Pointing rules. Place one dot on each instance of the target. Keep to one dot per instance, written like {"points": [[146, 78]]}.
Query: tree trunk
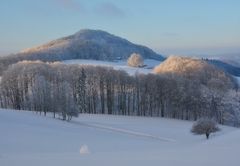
{"points": [[207, 135]]}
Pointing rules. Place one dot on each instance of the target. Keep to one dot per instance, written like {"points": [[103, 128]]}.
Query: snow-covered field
{"points": [[118, 65], [28, 139]]}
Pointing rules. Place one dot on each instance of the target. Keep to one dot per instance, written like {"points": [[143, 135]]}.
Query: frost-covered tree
{"points": [[81, 91], [231, 108], [66, 90], [205, 126], [68, 106], [40, 97], [135, 60]]}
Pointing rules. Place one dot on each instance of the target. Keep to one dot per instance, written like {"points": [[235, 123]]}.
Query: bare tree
{"points": [[135, 60], [205, 126]]}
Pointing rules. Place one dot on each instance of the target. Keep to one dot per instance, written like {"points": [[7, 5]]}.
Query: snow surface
{"points": [[238, 79], [28, 139], [118, 65]]}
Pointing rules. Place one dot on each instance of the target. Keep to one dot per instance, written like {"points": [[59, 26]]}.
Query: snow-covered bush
{"points": [[205, 126], [135, 60]]}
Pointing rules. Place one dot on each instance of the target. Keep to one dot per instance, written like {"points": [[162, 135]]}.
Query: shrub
{"points": [[205, 126], [135, 60]]}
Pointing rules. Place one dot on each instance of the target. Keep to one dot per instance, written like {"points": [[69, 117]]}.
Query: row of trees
{"points": [[67, 90]]}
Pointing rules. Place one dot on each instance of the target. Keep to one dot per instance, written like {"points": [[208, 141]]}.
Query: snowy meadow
{"points": [[29, 139], [87, 112]]}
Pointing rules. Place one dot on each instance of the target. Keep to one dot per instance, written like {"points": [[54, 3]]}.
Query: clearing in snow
{"points": [[118, 65]]}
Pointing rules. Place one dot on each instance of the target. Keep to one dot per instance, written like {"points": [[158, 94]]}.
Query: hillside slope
{"points": [[85, 44], [93, 44], [30, 139], [197, 71], [231, 69]]}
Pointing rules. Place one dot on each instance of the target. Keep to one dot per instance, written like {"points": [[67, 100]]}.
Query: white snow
{"points": [[118, 65], [84, 150], [29, 139], [238, 79]]}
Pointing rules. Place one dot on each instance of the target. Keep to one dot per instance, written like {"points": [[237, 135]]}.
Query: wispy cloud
{"points": [[109, 9], [103, 9], [72, 5]]}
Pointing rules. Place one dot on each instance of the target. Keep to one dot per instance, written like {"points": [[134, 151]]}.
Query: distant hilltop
{"points": [[92, 44], [85, 44]]}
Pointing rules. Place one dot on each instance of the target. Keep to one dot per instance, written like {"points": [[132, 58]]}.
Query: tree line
{"points": [[67, 90]]}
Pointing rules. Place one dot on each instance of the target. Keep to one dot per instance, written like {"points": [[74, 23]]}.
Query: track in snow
{"points": [[125, 131]]}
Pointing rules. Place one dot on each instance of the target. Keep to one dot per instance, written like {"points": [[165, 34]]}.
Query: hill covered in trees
{"points": [[85, 44], [199, 71], [226, 66]]}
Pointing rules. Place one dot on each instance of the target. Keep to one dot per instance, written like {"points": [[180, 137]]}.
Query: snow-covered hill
{"points": [[118, 65], [85, 44], [230, 58], [197, 70], [28, 139], [91, 44]]}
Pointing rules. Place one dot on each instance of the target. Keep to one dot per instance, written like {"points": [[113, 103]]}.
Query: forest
{"points": [[67, 90]]}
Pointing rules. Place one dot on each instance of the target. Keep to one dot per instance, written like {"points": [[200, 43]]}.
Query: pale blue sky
{"points": [[167, 26]]}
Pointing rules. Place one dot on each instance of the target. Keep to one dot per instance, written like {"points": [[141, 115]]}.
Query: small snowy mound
{"points": [[84, 150]]}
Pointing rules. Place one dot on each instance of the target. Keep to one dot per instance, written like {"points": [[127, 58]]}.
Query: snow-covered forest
{"points": [[67, 90]]}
